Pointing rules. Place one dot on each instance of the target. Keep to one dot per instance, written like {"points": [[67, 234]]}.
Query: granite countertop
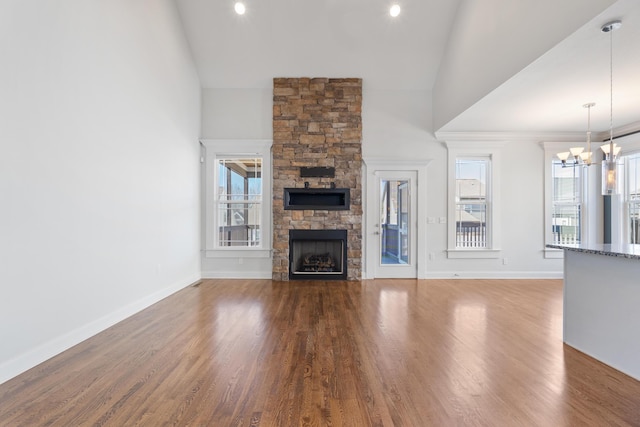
{"points": [[622, 251]]}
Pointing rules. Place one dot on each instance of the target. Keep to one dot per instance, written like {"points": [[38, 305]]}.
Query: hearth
{"points": [[317, 254]]}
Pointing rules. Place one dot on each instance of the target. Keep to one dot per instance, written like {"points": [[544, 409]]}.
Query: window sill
{"points": [[473, 253], [238, 253]]}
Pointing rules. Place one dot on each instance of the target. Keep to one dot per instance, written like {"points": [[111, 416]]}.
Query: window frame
{"points": [[579, 200], [632, 150], [490, 150], [627, 202], [214, 151], [486, 204], [586, 186], [228, 199]]}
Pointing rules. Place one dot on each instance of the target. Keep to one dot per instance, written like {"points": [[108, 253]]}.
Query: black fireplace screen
{"points": [[317, 254]]}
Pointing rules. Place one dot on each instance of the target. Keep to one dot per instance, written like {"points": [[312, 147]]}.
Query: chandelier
{"points": [[577, 156]]}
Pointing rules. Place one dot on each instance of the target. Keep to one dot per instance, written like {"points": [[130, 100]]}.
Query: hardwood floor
{"points": [[371, 353]]}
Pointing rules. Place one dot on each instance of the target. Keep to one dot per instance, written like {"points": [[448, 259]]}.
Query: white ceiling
{"points": [[358, 38], [317, 38], [320, 38], [548, 95]]}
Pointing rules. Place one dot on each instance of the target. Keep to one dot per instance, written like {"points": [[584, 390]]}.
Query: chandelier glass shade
{"points": [[610, 168]]}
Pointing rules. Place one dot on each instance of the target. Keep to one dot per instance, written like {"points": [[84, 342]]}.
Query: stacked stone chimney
{"points": [[317, 122]]}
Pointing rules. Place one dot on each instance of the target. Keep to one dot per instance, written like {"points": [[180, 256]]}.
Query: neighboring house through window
{"points": [[566, 199], [474, 202]]}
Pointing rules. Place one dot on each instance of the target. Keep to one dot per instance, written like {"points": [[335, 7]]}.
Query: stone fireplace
{"points": [[317, 126]]}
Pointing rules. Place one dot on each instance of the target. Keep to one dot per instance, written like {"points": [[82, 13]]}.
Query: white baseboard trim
{"points": [[34, 357], [237, 274], [487, 275], [495, 274]]}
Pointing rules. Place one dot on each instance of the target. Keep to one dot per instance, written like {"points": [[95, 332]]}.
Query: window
{"points": [[471, 202], [566, 203], [566, 206], [394, 221], [625, 206], [474, 203], [632, 198], [238, 198]]}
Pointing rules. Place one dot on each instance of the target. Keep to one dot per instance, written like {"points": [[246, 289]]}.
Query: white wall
{"points": [[236, 114], [397, 125], [99, 169], [521, 225], [492, 40]]}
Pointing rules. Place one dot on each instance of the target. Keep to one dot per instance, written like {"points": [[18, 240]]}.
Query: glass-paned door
{"points": [[395, 227], [394, 221]]}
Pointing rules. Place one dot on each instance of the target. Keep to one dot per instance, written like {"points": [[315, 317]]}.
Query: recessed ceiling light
{"points": [[239, 8], [395, 10]]}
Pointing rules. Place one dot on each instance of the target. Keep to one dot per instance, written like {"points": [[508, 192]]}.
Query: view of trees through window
{"points": [[239, 201]]}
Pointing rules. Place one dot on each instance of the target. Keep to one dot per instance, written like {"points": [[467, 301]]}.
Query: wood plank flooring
{"points": [[371, 353]]}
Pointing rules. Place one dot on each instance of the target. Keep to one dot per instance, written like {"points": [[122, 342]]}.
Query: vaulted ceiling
{"points": [[325, 38], [548, 95], [358, 38]]}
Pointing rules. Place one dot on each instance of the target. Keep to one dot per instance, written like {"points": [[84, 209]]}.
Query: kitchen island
{"points": [[601, 315]]}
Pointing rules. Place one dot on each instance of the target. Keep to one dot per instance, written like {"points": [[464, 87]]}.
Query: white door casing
{"points": [[377, 170]]}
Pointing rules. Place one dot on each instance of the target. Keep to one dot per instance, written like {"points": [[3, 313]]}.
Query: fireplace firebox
{"points": [[317, 254]]}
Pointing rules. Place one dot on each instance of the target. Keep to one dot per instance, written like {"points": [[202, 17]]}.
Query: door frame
{"points": [[373, 167], [408, 270]]}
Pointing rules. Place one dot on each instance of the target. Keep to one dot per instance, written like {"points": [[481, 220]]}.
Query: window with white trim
{"points": [[567, 203], [625, 206], [474, 203], [566, 207], [239, 200], [237, 197]]}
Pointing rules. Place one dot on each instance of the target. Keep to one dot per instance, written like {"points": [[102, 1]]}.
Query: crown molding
{"points": [[618, 132], [535, 136], [509, 136]]}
